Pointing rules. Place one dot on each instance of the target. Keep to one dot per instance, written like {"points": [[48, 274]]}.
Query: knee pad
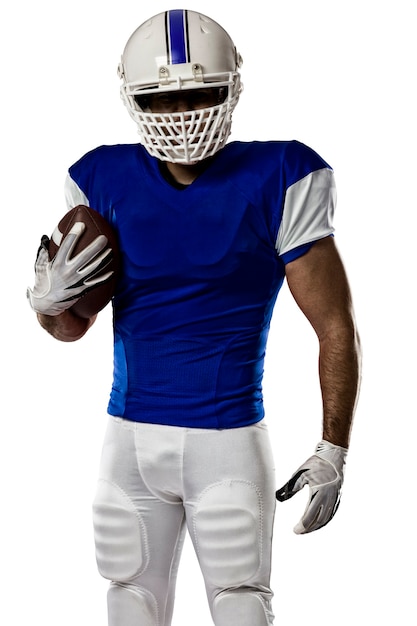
{"points": [[244, 607], [119, 533], [227, 529]]}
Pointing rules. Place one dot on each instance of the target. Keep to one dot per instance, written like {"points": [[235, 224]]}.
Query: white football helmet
{"points": [[173, 51]]}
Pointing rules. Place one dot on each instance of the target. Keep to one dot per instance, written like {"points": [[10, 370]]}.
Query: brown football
{"points": [[98, 297]]}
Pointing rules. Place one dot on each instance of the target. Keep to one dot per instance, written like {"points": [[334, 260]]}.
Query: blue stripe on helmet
{"points": [[177, 37]]}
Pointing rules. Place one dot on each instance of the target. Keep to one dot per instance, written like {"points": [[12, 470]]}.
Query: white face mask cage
{"points": [[184, 137]]}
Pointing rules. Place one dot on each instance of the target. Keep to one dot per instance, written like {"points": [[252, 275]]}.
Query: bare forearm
{"points": [[66, 326], [339, 366]]}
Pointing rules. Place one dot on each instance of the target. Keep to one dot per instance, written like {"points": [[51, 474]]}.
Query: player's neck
{"points": [[181, 174]]}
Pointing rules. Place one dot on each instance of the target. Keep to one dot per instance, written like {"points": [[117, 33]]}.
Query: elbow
{"points": [[342, 332]]}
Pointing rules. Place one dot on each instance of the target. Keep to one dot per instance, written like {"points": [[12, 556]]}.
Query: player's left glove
{"points": [[61, 282], [323, 473]]}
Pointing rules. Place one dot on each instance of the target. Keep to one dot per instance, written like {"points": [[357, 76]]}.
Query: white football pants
{"points": [[157, 480]]}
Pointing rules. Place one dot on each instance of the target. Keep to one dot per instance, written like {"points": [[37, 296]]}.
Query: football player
{"points": [[208, 229]]}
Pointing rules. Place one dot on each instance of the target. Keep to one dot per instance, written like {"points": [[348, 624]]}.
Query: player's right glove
{"points": [[323, 473], [61, 282]]}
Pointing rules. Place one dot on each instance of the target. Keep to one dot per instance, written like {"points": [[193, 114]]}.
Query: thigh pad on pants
{"points": [[227, 527], [120, 534]]}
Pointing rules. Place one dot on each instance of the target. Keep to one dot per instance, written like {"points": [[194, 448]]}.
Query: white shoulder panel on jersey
{"points": [[73, 194], [308, 211]]}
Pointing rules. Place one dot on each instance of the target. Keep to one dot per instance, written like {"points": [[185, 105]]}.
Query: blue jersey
{"points": [[202, 267]]}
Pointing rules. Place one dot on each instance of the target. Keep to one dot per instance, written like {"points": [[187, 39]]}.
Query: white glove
{"points": [[323, 473], [61, 282]]}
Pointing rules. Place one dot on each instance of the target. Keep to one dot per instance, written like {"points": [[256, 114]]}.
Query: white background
{"points": [[337, 76]]}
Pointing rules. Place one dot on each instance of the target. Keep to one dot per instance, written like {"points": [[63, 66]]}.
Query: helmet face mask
{"points": [[181, 57]]}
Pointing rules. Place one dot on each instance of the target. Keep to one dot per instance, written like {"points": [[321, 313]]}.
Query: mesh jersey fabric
{"points": [[202, 268]]}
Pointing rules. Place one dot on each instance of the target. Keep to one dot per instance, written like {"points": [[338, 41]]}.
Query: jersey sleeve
{"points": [[73, 194], [308, 212]]}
